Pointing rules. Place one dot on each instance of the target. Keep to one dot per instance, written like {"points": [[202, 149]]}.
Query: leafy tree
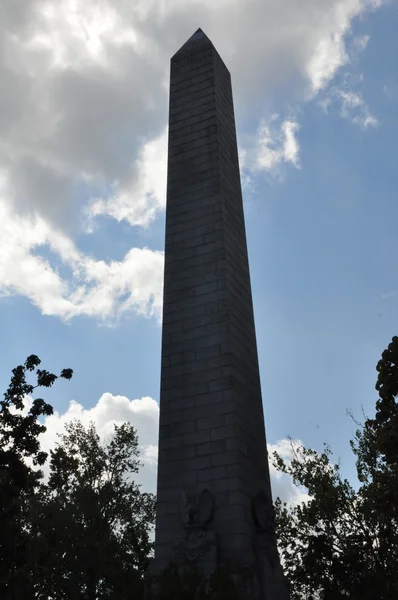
{"points": [[343, 543], [19, 431], [380, 440], [94, 521]]}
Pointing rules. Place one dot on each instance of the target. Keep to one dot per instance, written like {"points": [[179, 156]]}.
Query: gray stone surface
{"points": [[211, 433]]}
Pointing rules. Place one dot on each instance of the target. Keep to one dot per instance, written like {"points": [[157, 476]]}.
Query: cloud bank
{"points": [[83, 123]]}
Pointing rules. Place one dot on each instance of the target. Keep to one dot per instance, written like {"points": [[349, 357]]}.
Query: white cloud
{"points": [[391, 90], [360, 43], [280, 147], [347, 100], [274, 144], [329, 56], [388, 295], [84, 111], [355, 109], [282, 485], [142, 413], [104, 290], [140, 199], [332, 52]]}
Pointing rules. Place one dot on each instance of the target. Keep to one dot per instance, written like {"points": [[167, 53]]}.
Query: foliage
{"points": [[343, 543], [19, 431], [94, 521], [380, 469], [84, 533]]}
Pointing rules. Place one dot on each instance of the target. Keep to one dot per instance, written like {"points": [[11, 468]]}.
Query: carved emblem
{"points": [[196, 512], [263, 512], [270, 571], [198, 544]]}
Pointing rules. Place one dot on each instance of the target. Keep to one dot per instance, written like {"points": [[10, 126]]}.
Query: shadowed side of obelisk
{"points": [[212, 470]]}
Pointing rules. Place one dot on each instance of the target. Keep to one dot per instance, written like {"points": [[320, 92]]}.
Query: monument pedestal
{"points": [[259, 578], [248, 584]]}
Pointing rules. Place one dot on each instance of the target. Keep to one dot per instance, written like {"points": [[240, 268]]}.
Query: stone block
{"points": [[234, 483], [170, 494], [177, 479], [181, 452], [197, 437], [210, 448], [182, 427], [219, 486], [225, 458], [234, 512], [232, 528], [165, 508], [206, 308], [209, 352], [205, 288], [171, 467], [224, 383], [211, 473], [223, 433], [210, 422], [204, 320], [184, 357], [211, 340], [174, 416], [212, 329], [163, 535], [237, 545], [205, 407], [235, 470], [239, 497]]}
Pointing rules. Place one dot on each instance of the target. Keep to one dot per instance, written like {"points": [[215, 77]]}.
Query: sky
{"points": [[83, 151]]}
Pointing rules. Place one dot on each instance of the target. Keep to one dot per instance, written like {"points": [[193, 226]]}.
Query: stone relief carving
{"points": [[264, 515], [199, 544], [196, 511], [272, 579]]}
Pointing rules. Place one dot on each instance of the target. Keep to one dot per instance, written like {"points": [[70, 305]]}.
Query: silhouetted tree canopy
{"points": [[19, 431], [94, 521], [84, 531], [343, 543]]}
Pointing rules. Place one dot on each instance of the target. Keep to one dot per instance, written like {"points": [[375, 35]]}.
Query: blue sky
{"points": [[320, 205]]}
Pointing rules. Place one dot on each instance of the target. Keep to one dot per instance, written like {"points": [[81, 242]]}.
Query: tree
{"points": [[19, 432], [94, 521], [382, 432], [343, 543]]}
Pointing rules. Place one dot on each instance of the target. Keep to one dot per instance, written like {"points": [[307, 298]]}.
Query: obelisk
{"points": [[214, 504]]}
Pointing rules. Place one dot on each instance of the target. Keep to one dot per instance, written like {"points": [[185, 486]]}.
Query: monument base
{"points": [[233, 581], [198, 569]]}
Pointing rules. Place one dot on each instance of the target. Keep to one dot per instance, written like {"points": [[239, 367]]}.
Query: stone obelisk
{"points": [[214, 503]]}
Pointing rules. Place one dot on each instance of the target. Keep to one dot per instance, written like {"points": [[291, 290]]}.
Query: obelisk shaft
{"points": [[212, 433]]}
